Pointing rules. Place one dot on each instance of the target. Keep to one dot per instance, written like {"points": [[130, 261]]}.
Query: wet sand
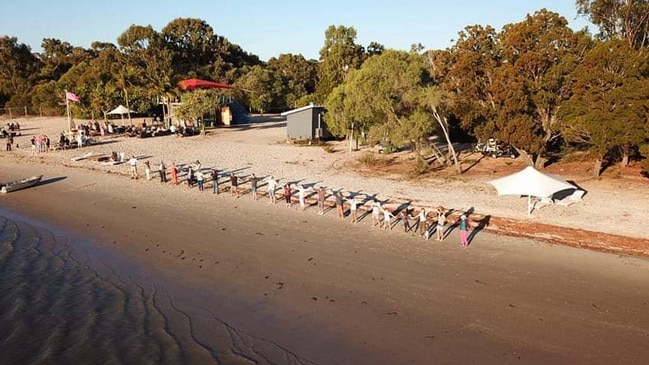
{"points": [[336, 293]]}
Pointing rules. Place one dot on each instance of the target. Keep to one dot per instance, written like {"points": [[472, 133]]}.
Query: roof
{"points": [[310, 106]]}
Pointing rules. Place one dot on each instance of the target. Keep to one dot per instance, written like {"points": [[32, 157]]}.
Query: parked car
{"points": [[495, 149]]}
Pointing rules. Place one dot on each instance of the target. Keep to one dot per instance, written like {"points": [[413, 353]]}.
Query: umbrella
{"points": [[192, 84], [531, 182]]}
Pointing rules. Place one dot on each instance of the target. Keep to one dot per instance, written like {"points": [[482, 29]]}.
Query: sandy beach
{"points": [[336, 293]]}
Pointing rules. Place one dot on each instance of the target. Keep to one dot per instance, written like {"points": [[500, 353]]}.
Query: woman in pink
{"points": [[464, 231]]}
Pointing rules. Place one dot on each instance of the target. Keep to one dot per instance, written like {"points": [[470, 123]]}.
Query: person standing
{"points": [[339, 204], [200, 180], [321, 200], [272, 185], [133, 163], [215, 181], [376, 213], [10, 141], [422, 222], [353, 209], [405, 218], [234, 185], [441, 221], [162, 170], [253, 186], [287, 195], [301, 195], [174, 173], [464, 231], [147, 169], [190, 176], [387, 219]]}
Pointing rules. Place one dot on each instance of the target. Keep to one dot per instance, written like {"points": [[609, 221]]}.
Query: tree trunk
{"points": [[439, 155], [540, 162], [128, 107], [526, 156], [442, 123], [597, 169]]}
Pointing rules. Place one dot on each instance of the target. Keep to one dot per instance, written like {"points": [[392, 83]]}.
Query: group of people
{"points": [[9, 131], [40, 143], [381, 216]]}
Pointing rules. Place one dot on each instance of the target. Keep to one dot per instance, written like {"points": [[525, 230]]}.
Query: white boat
{"points": [[83, 157], [20, 184]]}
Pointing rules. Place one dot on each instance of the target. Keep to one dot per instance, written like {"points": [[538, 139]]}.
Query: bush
{"points": [[421, 166], [328, 148], [368, 159]]}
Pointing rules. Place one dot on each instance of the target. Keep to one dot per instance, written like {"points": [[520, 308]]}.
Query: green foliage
{"points": [[328, 148], [339, 55], [262, 88], [510, 85], [628, 20], [608, 107], [368, 159], [297, 76], [18, 71], [198, 103]]}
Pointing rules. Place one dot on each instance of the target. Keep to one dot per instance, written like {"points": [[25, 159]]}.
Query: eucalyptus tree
{"points": [[467, 72], [18, 71], [298, 75], [339, 55], [608, 107], [197, 103], [263, 88], [102, 92], [143, 49], [58, 57], [619, 19], [191, 42], [391, 95], [537, 55]]}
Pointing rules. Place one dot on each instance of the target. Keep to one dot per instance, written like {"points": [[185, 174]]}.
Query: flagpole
{"points": [[67, 107]]}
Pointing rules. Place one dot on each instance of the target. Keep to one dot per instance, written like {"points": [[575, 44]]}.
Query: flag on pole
{"points": [[71, 96]]}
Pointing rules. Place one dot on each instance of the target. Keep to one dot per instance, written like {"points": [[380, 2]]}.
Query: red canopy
{"points": [[192, 84]]}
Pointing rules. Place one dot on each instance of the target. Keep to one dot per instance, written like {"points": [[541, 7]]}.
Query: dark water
{"points": [[65, 301]]}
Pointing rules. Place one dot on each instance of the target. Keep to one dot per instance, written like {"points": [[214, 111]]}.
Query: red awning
{"points": [[192, 84]]}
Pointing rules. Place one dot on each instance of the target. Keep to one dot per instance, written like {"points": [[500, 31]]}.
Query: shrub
{"points": [[368, 159]]}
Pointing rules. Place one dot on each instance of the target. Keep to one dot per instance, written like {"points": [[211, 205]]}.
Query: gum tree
{"points": [[608, 108]]}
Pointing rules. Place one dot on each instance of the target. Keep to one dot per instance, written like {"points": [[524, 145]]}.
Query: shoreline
{"points": [[332, 292]]}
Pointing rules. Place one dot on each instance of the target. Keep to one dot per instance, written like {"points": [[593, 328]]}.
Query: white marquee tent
{"points": [[531, 182]]}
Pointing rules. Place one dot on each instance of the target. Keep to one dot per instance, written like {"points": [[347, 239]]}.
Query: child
{"points": [[387, 219], [464, 231], [287, 195], [441, 221]]}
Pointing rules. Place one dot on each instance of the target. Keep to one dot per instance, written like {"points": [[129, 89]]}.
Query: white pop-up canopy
{"points": [[121, 110], [531, 182]]}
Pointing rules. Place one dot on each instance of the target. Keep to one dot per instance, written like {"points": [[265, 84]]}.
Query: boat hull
{"points": [[20, 184]]}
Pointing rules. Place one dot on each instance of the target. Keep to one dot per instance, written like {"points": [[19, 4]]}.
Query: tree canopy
{"points": [[535, 84]]}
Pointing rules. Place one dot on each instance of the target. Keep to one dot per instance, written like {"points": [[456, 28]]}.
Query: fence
{"points": [[28, 111]]}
